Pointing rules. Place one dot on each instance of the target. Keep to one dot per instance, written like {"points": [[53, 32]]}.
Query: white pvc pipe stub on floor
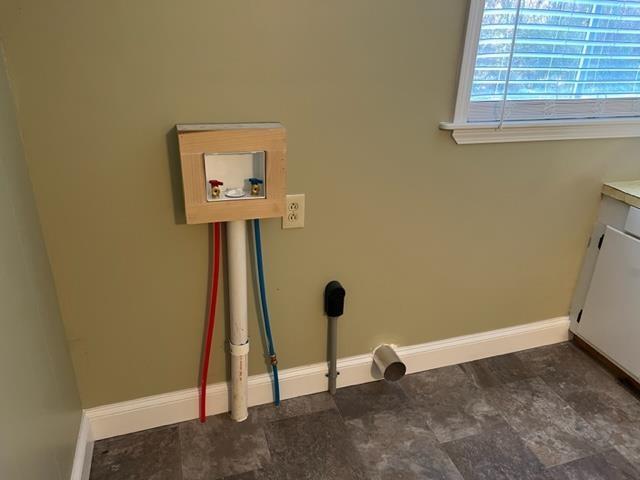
{"points": [[388, 363]]}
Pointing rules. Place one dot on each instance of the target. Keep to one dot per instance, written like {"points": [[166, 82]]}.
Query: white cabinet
{"points": [[609, 319]]}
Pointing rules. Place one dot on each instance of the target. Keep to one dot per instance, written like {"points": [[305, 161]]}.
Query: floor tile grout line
{"points": [[495, 372], [610, 445], [506, 419]]}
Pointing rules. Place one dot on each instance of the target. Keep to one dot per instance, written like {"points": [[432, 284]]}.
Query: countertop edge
{"points": [[616, 193]]}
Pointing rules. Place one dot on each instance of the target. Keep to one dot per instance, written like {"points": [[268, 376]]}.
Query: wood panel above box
{"points": [[241, 144]]}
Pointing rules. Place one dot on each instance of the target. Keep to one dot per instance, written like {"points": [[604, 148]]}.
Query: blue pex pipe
{"points": [[265, 311]]}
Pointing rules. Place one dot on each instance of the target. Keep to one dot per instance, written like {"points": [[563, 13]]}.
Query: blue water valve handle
{"points": [[255, 186]]}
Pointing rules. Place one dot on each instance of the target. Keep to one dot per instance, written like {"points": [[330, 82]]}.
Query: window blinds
{"points": [[557, 59]]}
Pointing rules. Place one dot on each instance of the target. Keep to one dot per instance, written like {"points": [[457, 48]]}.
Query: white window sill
{"points": [[466, 133]]}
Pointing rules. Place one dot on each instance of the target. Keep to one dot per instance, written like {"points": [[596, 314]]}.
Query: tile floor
{"points": [[549, 413]]}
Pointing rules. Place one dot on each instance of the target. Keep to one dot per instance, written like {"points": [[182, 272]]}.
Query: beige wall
{"points": [[39, 402], [430, 238]]}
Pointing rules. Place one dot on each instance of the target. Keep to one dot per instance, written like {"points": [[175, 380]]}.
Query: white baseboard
{"points": [[84, 451], [165, 409]]}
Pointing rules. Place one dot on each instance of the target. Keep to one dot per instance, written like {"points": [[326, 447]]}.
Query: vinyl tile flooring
{"points": [[550, 413]]}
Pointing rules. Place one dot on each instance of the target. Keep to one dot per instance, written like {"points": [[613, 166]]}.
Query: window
{"points": [[549, 69]]}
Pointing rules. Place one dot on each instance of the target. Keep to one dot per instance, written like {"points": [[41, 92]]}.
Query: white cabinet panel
{"points": [[632, 225], [610, 318]]}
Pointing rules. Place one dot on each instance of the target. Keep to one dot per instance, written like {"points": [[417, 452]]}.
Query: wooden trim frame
{"points": [[197, 140]]}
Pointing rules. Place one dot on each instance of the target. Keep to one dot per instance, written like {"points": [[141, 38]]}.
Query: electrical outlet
{"points": [[294, 214]]}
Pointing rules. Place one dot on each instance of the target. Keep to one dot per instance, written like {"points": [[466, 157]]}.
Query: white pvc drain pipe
{"points": [[239, 336], [388, 363]]}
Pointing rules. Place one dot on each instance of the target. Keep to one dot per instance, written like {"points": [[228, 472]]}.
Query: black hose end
{"points": [[334, 295]]}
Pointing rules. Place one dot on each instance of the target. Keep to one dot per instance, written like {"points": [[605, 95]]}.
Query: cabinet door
{"points": [[611, 314]]}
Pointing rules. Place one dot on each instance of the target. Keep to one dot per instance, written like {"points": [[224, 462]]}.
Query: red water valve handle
{"points": [[215, 183]]}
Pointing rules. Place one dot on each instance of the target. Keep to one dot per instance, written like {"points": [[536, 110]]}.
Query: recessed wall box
{"points": [[232, 171], [237, 176]]}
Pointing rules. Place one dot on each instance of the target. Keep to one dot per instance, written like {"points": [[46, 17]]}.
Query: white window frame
{"points": [[464, 132]]}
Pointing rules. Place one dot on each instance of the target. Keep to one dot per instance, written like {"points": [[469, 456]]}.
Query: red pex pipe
{"points": [[215, 273]]}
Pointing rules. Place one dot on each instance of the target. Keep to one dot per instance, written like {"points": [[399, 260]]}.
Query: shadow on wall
{"points": [[175, 173]]}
